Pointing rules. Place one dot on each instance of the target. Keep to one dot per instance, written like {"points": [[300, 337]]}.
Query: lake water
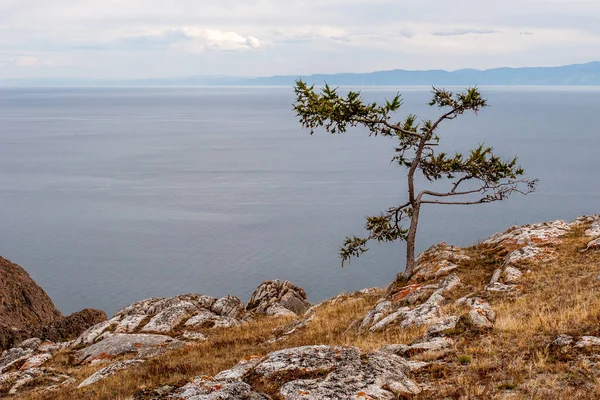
{"points": [[109, 196]]}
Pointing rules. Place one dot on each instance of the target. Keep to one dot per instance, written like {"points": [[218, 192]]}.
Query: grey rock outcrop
{"points": [[120, 343], [108, 371], [309, 372], [275, 297]]}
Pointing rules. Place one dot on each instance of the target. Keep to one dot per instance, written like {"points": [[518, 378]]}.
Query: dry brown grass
{"points": [[514, 361]]}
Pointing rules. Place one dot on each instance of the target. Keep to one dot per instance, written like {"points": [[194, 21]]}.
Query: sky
{"points": [[134, 39]]}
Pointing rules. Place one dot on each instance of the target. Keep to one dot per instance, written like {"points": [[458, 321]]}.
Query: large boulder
{"points": [[309, 372], [277, 298], [24, 305], [118, 344]]}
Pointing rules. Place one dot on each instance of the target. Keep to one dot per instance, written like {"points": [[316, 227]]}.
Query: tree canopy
{"points": [[475, 177]]}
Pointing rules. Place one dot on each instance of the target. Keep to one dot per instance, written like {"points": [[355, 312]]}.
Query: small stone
{"points": [[512, 275], [495, 276], [562, 340], [592, 245], [500, 287], [588, 341], [190, 335]]}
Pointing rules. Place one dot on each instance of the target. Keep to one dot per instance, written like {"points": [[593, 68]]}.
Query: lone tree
{"points": [[475, 178]]}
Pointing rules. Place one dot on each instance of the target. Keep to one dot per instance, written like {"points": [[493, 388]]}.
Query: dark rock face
{"points": [[71, 327], [24, 305]]}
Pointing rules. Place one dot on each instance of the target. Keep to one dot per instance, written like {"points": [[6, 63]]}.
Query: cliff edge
{"points": [[23, 304]]}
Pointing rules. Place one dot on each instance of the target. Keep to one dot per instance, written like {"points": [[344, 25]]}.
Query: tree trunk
{"points": [[410, 241]]}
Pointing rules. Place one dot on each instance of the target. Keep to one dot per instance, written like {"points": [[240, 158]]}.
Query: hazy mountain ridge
{"points": [[568, 75]]}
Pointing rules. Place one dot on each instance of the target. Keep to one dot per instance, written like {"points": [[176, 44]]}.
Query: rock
{"points": [[495, 276], [52, 348], [417, 365], [228, 306], [92, 333], [376, 314], [392, 318], [482, 315], [36, 361], [562, 340], [431, 345], [449, 283], [280, 295], [277, 310], [479, 320], [594, 230], [238, 371], [310, 372], [190, 335], [511, 275], [166, 320], [546, 233], [443, 251], [130, 323], [38, 379], [588, 341], [372, 290], [531, 254], [13, 357], [427, 313], [439, 328], [109, 371], [281, 333], [424, 314], [72, 326], [30, 344], [336, 372], [156, 305], [24, 305], [208, 319], [397, 349], [204, 388], [414, 293], [592, 245], [120, 343], [433, 269], [500, 287]]}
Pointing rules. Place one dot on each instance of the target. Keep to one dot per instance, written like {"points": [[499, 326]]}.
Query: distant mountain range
{"points": [[568, 75]]}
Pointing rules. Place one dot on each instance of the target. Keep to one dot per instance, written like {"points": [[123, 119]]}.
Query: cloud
{"points": [[462, 32], [196, 40], [24, 61]]}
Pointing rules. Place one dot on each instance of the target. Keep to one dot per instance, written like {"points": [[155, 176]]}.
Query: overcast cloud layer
{"points": [[157, 38]]}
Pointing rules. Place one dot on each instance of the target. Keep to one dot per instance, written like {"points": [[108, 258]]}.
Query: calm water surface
{"points": [[108, 196]]}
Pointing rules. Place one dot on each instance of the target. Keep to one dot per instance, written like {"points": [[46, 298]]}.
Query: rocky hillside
{"points": [[514, 317], [27, 311], [23, 304]]}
